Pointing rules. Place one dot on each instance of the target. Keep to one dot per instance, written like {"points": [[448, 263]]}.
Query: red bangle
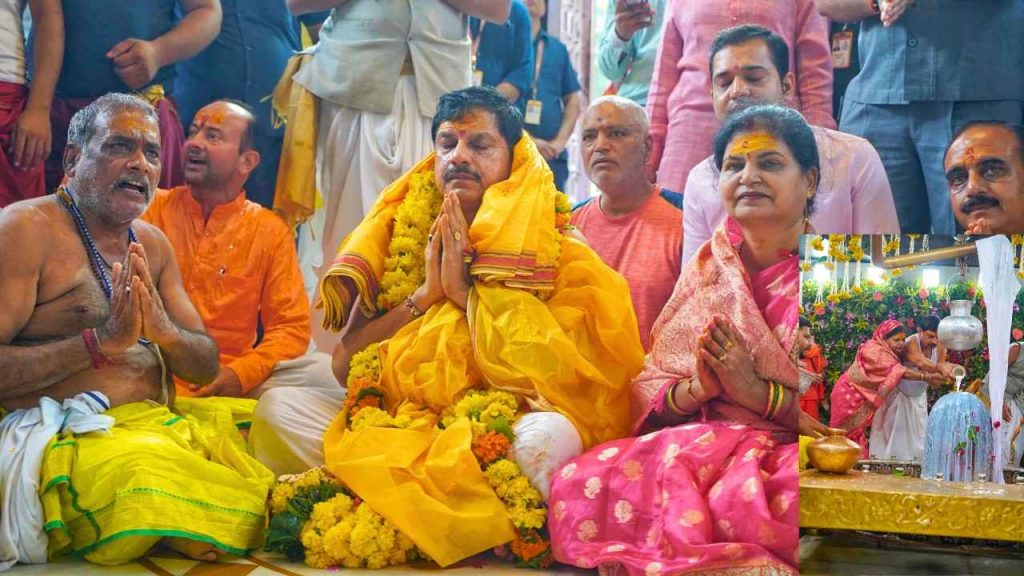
{"points": [[92, 344]]}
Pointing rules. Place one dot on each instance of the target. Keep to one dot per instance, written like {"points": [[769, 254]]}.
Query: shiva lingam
{"points": [[833, 453]]}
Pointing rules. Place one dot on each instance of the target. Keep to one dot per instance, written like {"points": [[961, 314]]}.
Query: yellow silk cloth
{"points": [[513, 233], [112, 496], [296, 198], [574, 351], [804, 441]]}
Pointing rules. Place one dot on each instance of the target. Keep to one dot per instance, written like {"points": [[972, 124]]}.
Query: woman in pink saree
{"points": [[867, 383], [711, 485]]}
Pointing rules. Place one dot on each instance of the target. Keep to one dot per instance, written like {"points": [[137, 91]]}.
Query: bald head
{"points": [[616, 145], [219, 153], [627, 107]]}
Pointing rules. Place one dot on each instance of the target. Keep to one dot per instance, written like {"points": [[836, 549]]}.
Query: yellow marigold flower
{"points": [[371, 418], [280, 496], [830, 266], [818, 244], [502, 472], [412, 223], [528, 518], [896, 272], [364, 365], [495, 411], [805, 267], [833, 298]]}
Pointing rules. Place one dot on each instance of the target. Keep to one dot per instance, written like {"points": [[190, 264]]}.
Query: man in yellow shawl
{"points": [[462, 278]]}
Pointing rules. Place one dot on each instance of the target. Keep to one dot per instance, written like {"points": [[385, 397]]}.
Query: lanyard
{"points": [[476, 41], [538, 51]]}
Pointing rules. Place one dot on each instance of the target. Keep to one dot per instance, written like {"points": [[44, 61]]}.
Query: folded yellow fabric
{"points": [[112, 496], [296, 197]]}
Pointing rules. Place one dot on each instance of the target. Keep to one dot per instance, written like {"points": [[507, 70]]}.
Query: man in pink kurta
{"points": [[682, 120], [853, 195], [633, 225]]}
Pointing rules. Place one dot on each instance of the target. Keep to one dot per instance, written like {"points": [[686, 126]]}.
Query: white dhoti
{"points": [[287, 433], [900, 424], [311, 370], [358, 155]]}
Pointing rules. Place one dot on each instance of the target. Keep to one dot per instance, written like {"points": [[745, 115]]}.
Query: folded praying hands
{"points": [[136, 309], [447, 274], [723, 351]]}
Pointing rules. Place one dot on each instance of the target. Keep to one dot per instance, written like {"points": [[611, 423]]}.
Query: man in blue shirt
{"points": [[118, 46], [502, 56], [244, 63], [926, 69], [552, 104]]}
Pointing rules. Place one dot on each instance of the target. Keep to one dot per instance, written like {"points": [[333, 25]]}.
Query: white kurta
{"points": [[901, 423], [358, 155]]}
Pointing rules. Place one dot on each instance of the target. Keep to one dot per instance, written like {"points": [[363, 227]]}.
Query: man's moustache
{"points": [[977, 202], [740, 104], [452, 172]]}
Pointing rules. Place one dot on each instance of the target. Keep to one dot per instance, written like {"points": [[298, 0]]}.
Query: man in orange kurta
{"points": [[238, 263], [812, 369]]}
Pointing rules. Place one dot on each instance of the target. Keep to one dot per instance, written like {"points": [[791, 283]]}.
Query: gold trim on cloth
{"points": [[904, 505]]}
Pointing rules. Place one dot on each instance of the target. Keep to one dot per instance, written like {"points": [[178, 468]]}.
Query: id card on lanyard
{"points": [[842, 48], [478, 75], [534, 106]]}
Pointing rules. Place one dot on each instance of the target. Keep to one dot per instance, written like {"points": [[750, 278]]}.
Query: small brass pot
{"points": [[833, 453]]}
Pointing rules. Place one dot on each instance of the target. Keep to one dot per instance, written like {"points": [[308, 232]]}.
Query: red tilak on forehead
{"points": [[969, 154], [212, 117]]}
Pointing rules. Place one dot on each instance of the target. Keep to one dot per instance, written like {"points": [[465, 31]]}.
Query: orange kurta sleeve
{"points": [[284, 312]]}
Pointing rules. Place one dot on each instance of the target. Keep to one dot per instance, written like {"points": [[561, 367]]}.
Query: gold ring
{"points": [[722, 357], [728, 344], [458, 235]]}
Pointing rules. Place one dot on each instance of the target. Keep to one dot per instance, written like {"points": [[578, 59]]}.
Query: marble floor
{"points": [[853, 555]]}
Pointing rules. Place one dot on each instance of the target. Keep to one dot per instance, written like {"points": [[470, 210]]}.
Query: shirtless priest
{"points": [[95, 317]]}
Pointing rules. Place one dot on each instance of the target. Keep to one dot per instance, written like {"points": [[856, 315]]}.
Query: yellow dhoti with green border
{"points": [[111, 496]]}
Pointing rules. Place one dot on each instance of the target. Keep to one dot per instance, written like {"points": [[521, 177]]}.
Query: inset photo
{"points": [[912, 391]]}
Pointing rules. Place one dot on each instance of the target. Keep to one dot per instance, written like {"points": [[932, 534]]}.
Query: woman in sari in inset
{"points": [[868, 382], [710, 486]]}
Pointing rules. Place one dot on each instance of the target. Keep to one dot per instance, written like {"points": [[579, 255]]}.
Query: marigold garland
{"points": [[404, 268], [315, 519]]}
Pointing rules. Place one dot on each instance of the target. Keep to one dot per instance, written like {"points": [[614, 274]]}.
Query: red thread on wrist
{"points": [[92, 344]]}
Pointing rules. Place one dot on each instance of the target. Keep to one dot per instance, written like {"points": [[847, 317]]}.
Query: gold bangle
{"points": [[670, 400], [775, 400]]}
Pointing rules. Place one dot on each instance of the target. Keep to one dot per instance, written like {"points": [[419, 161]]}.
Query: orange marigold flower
{"points": [[353, 403], [490, 447], [528, 550]]}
